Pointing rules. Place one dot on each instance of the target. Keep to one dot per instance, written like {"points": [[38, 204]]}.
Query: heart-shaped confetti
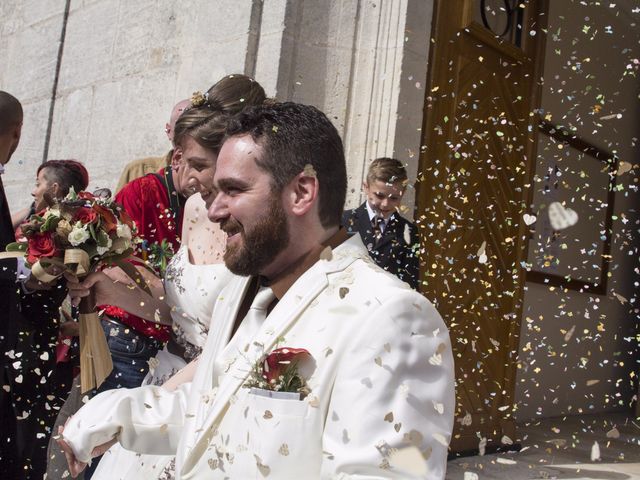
{"points": [[623, 167], [561, 217]]}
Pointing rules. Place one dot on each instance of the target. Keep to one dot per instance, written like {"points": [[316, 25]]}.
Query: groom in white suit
{"points": [[378, 388]]}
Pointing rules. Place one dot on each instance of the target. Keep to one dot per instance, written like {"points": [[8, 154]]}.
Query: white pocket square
{"points": [[272, 394]]}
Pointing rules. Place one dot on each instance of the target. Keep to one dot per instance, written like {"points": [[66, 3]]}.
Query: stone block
{"points": [[89, 44], [20, 175]]}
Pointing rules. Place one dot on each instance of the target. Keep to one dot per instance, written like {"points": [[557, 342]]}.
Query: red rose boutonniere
{"points": [[279, 371]]}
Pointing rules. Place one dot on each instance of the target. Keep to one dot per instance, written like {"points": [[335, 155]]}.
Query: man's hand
{"points": [[76, 466], [98, 281]]}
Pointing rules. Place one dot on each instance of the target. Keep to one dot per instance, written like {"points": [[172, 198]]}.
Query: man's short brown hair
{"points": [[387, 170], [294, 136]]}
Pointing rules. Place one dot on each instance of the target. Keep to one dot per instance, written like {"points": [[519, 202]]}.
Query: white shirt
{"points": [[373, 214]]}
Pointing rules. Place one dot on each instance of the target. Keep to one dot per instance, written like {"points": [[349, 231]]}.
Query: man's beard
{"points": [[261, 244]]}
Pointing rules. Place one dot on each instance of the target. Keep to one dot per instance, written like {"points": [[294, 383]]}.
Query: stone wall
{"points": [[121, 65]]}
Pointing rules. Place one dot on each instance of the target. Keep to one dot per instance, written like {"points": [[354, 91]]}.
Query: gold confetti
{"points": [[309, 171], [263, 469], [613, 433]]}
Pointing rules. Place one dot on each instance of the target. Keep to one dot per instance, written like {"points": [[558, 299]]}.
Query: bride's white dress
{"points": [[191, 291]]}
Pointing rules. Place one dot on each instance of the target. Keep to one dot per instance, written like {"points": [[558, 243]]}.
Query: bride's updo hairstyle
{"points": [[205, 120]]}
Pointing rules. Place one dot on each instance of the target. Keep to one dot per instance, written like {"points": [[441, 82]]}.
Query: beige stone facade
{"points": [[97, 81]]}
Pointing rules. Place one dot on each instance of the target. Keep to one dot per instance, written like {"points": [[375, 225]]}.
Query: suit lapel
{"points": [[364, 225], [390, 232], [279, 321], [222, 320]]}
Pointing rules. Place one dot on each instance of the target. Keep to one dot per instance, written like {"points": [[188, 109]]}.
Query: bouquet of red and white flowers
{"points": [[95, 229], [79, 234]]}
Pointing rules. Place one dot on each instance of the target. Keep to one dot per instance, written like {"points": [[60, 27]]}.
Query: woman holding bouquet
{"points": [[195, 274], [37, 384]]}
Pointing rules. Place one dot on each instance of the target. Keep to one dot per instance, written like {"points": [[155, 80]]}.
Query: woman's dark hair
{"points": [[66, 173], [205, 121]]}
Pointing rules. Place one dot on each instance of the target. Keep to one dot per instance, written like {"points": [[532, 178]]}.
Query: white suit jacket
{"points": [[382, 381]]}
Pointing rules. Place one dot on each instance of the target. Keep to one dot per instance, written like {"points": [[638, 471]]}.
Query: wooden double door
{"points": [[473, 190]]}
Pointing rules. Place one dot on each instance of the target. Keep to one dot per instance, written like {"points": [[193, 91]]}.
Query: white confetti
{"points": [[409, 460], [561, 217], [595, 452]]}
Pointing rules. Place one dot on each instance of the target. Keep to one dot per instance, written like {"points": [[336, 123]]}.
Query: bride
{"points": [[194, 276]]}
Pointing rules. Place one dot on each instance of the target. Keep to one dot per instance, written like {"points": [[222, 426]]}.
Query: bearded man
{"points": [[318, 364]]}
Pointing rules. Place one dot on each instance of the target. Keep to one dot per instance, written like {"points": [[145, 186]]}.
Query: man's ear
{"points": [[365, 187], [17, 131], [302, 193], [176, 158]]}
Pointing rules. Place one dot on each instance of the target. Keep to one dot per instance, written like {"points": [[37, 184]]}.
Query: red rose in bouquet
{"points": [[41, 245], [86, 215]]}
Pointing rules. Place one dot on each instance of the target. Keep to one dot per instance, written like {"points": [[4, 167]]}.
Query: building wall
{"points": [[122, 65]]}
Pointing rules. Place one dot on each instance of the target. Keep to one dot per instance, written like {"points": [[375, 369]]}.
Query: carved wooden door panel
{"points": [[475, 167]]}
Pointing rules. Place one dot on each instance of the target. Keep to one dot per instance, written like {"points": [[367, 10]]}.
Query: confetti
{"points": [[409, 461], [595, 452], [561, 217]]}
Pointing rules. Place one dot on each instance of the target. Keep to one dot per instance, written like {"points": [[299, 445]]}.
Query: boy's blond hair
{"points": [[387, 170]]}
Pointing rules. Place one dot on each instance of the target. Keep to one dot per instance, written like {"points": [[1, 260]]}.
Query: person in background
{"points": [[142, 166], [55, 178], [391, 239], [28, 333]]}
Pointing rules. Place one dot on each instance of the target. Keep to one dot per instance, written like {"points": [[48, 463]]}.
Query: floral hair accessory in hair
{"points": [[198, 99]]}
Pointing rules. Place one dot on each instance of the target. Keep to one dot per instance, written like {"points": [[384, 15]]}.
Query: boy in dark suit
{"points": [[392, 240]]}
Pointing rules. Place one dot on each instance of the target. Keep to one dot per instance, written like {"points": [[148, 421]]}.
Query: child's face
{"points": [[384, 198]]}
